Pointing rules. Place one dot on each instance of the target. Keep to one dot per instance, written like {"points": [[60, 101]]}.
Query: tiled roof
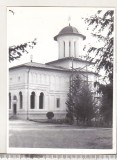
{"points": [[45, 66], [40, 65], [69, 30], [69, 58]]}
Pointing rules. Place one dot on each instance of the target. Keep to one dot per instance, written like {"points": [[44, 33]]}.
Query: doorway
{"points": [[14, 109]]}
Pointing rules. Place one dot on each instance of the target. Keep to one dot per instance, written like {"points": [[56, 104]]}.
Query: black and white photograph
{"points": [[60, 77]]}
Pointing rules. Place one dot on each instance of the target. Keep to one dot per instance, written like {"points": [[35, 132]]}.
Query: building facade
{"points": [[35, 89]]}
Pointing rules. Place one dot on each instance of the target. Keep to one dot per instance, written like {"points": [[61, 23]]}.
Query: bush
{"points": [[50, 115], [69, 118]]}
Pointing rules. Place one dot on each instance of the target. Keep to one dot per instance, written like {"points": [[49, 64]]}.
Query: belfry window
{"points": [[20, 100], [75, 49], [69, 49], [9, 100], [41, 98], [32, 100], [64, 48]]}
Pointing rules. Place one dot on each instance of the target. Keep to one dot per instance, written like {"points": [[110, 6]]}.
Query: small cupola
{"points": [[69, 39]]}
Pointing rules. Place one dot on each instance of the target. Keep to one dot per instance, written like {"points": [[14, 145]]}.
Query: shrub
{"points": [[50, 115], [69, 118]]}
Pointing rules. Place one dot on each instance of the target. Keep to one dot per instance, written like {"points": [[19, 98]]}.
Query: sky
{"points": [[25, 24]]}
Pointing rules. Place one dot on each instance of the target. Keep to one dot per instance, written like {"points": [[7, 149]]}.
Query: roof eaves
{"points": [[68, 58], [41, 67], [77, 34]]}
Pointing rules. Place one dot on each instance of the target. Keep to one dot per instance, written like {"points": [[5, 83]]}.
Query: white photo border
{"points": [[4, 76]]}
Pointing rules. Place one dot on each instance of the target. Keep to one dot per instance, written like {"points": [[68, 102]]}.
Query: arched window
{"points": [[20, 100], [75, 49], [41, 97], [32, 100], [69, 49], [64, 48], [9, 100]]}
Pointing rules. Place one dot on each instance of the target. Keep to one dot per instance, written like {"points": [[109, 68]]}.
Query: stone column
{"points": [[36, 101], [24, 99], [29, 103], [18, 101], [61, 49], [77, 49], [66, 48]]}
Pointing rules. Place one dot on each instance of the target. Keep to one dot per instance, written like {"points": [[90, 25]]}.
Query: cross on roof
{"points": [[69, 20]]}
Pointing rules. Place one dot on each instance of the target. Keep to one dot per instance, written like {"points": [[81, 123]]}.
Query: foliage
{"points": [[69, 118], [80, 104], [106, 109], [50, 115], [15, 52], [102, 26]]}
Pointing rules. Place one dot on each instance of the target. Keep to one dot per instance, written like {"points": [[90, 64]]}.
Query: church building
{"points": [[35, 88]]}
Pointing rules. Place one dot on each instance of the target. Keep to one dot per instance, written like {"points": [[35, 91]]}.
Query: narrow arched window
{"points": [[64, 48], [32, 100], [41, 97], [20, 100], [69, 49], [9, 100], [75, 49]]}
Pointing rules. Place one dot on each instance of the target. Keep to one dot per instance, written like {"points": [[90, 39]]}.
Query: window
{"points": [[64, 48], [75, 49], [20, 100], [32, 100], [69, 49], [58, 102], [41, 100], [9, 100]]}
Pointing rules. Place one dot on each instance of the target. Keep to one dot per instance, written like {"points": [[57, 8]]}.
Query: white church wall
{"points": [[54, 85], [76, 64]]}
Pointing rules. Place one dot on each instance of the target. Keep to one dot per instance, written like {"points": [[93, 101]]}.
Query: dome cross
{"points": [[69, 20]]}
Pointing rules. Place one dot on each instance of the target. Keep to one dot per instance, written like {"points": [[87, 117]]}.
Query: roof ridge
{"points": [[39, 65]]}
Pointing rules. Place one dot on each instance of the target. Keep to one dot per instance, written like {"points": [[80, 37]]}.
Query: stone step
{"points": [[13, 117]]}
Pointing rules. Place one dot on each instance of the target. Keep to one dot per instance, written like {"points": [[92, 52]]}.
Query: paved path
{"points": [[28, 125]]}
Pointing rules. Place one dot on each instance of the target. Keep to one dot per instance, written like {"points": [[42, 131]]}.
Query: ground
{"points": [[28, 134]]}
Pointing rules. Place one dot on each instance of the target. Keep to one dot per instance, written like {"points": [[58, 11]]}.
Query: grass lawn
{"points": [[60, 137]]}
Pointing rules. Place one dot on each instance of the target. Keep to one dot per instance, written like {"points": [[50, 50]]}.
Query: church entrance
{"points": [[14, 109], [14, 105]]}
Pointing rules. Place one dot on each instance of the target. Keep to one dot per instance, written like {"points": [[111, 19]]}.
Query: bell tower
{"points": [[69, 41]]}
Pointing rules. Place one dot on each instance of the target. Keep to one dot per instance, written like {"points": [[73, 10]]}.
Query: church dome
{"points": [[69, 30]]}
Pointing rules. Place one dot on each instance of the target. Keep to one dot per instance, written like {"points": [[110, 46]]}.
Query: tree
{"points": [[15, 52], [102, 26], [107, 104], [80, 103]]}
